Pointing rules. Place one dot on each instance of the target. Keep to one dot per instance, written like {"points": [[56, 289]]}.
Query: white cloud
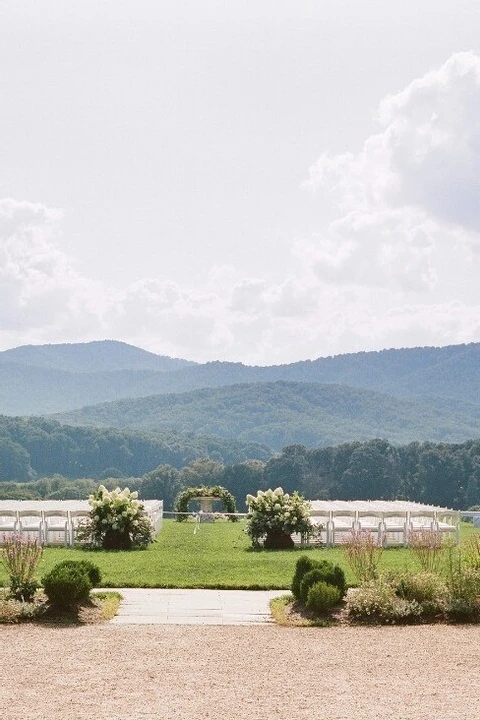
{"points": [[41, 295], [427, 153], [397, 266]]}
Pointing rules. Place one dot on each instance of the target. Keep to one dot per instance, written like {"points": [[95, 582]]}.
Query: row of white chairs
{"points": [[56, 526], [48, 526], [390, 528]]}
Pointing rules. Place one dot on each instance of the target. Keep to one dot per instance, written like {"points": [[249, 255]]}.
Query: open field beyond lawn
{"points": [[217, 556]]}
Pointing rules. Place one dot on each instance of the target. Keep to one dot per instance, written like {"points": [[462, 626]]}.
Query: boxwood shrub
{"points": [[67, 587], [322, 597]]}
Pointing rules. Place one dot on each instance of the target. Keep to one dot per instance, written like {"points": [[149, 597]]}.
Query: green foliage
{"points": [[322, 597], [16, 611], [286, 413], [163, 483], [67, 586], [92, 571], [322, 572], [202, 472], [20, 557], [471, 551], [215, 491], [422, 587], [462, 610], [303, 565], [377, 601], [38, 447], [437, 473], [309, 570]]}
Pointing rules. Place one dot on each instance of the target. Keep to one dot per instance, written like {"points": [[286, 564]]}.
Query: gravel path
{"points": [[132, 672]]}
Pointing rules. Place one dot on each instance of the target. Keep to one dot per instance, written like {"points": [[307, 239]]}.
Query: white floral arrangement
{"points": [[118, 520], [275, 511]]}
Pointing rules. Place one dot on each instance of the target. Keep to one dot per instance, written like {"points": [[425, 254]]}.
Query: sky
{"points": [[260, 181]]}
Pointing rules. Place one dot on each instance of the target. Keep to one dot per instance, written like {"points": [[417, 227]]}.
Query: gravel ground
{"points": [[174, 671]]}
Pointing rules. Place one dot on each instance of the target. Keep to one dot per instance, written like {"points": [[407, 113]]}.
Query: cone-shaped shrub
{"points": [[304, 564]]}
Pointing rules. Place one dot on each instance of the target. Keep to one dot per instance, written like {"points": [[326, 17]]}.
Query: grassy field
{"points": [[218, 556]]}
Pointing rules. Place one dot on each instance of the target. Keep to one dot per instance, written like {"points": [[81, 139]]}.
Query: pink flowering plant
{"points": [[363, 553], [20, 557], [118, 521], [427, 547]]}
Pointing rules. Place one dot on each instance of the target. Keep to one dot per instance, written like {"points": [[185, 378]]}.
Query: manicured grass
{"points": [[218, 556]]}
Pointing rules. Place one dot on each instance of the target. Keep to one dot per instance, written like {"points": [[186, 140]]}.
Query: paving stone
{"points": [[194, 607]]}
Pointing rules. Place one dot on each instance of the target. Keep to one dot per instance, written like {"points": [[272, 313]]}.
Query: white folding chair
{"points": [[421, 520], [8, 522], [56, 527], [448, 521], [394, 527], [342, 522], [371, 521], [30, 522], [323, 518], [76, 517]]}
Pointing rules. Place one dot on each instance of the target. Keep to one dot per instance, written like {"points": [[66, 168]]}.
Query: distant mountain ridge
{"points": [[284, 413], [96, 356], [39, 380]]}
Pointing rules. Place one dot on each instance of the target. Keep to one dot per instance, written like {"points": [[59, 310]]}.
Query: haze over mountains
{"points": [[403, 395]]}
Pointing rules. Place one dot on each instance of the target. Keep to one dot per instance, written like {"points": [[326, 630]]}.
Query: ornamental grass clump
{"points": [[471, 552], [463, 582], [20, 557], [274, 516], [427, 547], [363, 553], [118, 521]]}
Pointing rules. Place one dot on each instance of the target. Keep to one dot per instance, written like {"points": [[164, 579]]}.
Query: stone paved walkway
{"points": [[194, 607]]}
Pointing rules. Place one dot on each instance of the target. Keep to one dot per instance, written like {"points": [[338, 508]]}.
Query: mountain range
{"points": [[407, 394]]}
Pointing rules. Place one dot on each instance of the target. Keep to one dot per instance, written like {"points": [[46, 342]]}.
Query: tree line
{"points": [[443, 474], [32, 448]]}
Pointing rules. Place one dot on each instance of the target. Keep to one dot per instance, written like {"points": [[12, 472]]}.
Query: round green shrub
{"points": [[66, 587], [329, 573], [322, 572], [322, 597], [93, 571]]}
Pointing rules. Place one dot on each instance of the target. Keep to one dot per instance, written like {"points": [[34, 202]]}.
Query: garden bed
{"points": [[102, 606]]}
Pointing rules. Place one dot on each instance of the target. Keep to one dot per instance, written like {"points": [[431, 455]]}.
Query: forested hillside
{"points": [[36, 380], [437, 473], [282, 413], [32, 447]]}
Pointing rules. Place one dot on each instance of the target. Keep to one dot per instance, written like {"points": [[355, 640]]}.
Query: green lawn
{"points": [[218, 556]]}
